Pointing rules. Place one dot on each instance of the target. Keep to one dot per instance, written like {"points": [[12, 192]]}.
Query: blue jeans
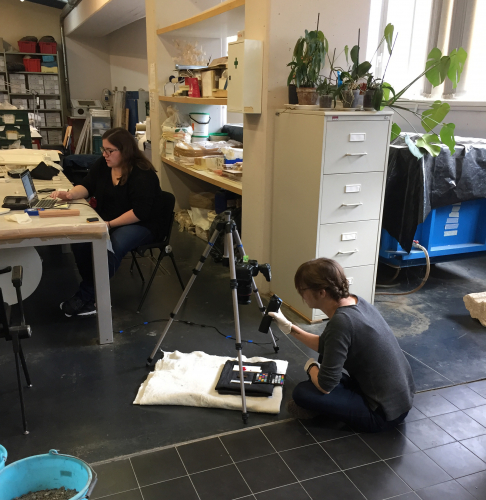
{"points": [[345, 403], [123, 239]]}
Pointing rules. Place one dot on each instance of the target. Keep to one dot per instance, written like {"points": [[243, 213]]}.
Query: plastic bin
{"points": [[48, 47], [27, 46], [32, 65]]}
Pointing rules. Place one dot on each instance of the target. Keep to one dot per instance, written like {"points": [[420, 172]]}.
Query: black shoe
{"points": [[75, 306]]}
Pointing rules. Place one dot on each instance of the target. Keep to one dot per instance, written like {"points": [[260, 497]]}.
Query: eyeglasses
{"points": [[107, 151]]}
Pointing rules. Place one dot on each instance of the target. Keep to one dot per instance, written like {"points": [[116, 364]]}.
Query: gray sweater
{"points": [[358, 339]]}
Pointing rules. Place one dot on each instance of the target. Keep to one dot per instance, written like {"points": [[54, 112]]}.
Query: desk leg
{"points": [[102, 287]]}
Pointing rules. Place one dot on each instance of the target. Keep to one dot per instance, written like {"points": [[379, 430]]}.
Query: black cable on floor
{"points": [[191, 323]]}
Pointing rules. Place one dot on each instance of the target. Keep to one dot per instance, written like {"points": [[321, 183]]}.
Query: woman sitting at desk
{"points": [[128, 198]]}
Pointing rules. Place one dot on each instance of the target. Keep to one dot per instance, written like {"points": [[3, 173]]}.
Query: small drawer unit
{"points": [[328, 188]]}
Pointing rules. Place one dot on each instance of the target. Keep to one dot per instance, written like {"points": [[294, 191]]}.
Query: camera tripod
{"points": [[231, 236]]}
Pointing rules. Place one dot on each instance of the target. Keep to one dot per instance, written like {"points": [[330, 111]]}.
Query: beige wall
{"points": [[128, 56], [19, 19]]}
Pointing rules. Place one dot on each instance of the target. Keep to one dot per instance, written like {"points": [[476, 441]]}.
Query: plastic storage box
{"points": [[32, 65], [48, 47], [27, 46]]}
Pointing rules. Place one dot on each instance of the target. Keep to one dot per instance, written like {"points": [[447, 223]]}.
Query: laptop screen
{"points": [[28, 186]]}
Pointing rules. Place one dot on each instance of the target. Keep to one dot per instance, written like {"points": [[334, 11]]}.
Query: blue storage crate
{"points": [[449, 233]]}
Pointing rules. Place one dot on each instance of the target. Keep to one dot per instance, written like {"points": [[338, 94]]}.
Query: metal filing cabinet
{"points": [[328, 189]]}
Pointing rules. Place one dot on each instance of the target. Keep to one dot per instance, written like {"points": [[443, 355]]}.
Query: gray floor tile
{"points": [[475, 484], [456, 460], [377, 481], [114, 477], [158, 466], [332, 487], [389, 444], [478, 413], [204, 455], [350, 452], [290, 492], [418, 470], [479, 387], [445, 491], [408, 496], [223, 483], [325, 430], [425, 434], [414, 414], [247, 444], [126, 495], [180, 488], [287, 435], [462, 396], [266, 473], [477, 445], [459, 425], [432, 404], [309, 461]]}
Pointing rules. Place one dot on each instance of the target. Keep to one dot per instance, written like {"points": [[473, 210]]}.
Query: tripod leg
{"points": [[234, 286], [173, 314], [15, 344], [254, 288], [24, 365]]}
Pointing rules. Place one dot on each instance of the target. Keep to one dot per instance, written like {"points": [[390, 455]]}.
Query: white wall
{"points": [[128, 56], [19, 19]]}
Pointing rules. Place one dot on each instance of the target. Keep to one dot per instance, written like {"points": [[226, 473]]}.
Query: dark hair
{"points": [[322, 274], [128, 147]]}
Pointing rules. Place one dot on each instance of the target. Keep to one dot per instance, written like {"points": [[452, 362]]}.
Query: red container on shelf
{"points": [[32, 65], [27, 46], [48, 47]]}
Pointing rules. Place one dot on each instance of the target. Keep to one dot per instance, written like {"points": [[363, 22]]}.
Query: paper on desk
{"points": [[19, 218]]}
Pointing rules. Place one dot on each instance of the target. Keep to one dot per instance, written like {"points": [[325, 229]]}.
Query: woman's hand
{"points": [[283, 323], [63, 195]]}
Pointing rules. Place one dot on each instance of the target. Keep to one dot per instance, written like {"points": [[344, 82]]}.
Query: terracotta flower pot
{"points": [[307, 96]]}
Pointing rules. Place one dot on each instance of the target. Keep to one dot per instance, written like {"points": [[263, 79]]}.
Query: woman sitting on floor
{"points": [[128, 198], [378, 392]]}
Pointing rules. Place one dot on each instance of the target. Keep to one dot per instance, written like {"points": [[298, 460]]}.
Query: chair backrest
{"points": [[166, 215]]}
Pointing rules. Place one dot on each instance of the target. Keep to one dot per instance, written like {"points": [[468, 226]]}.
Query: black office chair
{"points": [[167, 219], [16, 334]]}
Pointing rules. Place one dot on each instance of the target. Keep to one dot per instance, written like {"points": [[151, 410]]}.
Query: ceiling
{"points": [[112, 16]]}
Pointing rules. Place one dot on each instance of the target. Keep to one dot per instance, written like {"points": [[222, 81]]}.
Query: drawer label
{"points": [[452, 221], [450, 233], [348, 236], [454, 214], [350, 280], [352, 188], [456, 208], [357, 137], [451, 226]]}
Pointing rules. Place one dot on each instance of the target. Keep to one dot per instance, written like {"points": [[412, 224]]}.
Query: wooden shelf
{"points": [[224, 19], [217, 101], [205, 175], [28, 54]]}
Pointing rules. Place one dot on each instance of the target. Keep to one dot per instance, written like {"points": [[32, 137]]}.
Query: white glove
{"points": [[310, 362], [283, 323]]}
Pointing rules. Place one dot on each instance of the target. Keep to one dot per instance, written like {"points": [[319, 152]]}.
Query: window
{"points": [[422, 25]]}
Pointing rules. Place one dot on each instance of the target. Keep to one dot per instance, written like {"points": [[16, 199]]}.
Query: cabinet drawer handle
{"points": [[347, 253], [351, 204], [355, 154]]}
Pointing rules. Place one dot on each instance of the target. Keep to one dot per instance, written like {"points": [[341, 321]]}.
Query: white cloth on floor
{"points": [[190, 380]]}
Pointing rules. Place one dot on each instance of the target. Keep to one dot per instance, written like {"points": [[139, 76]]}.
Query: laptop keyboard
{"points": [[46, 203]]}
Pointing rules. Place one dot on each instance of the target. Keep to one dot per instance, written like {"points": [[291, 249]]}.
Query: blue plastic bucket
{"points": [[44, 472]]}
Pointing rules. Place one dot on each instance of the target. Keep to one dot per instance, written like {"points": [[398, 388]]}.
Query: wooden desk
{"points": [[64, 230], [207, 176]]}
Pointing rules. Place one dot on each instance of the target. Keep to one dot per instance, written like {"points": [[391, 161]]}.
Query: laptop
{"points": [[32, 198]]}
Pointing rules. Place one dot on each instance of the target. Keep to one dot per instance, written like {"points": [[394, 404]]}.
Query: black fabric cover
{"points": [[235, 132], [28, 39], [416, 186], [224, 385], [44, 172], [14, 67], [47, 39]]}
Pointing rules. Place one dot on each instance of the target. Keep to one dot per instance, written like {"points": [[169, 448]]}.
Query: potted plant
{"points": [[307, 61], [326, 92]]}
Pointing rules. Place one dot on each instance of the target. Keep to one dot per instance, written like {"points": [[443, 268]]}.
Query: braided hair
{"points": [[322, 274]]}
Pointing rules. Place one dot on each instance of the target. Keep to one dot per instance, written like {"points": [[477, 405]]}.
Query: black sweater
{"points": [[141, 192], [358, 339]]}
